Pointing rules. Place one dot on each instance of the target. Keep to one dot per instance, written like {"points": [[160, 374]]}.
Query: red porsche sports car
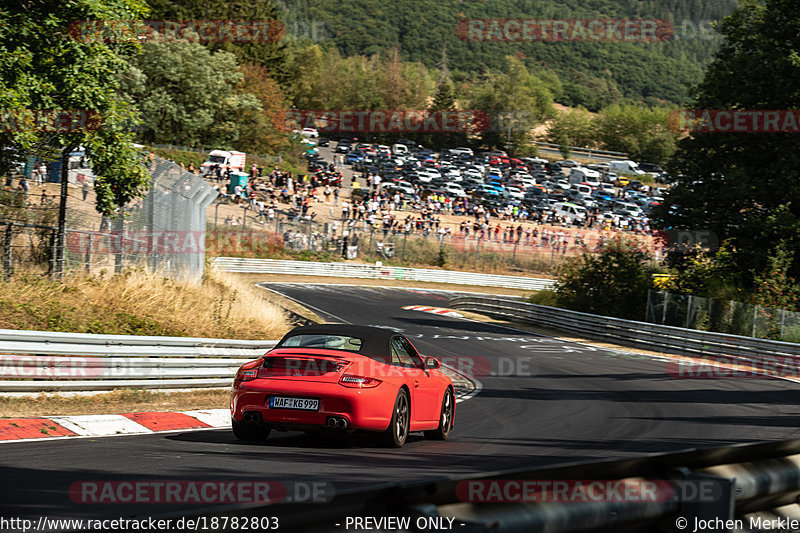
{"points": [[346, 378]]}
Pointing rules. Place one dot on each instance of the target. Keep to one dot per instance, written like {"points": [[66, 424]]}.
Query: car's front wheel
{"points": [[445, 418], [397, 432], [250, 432]]}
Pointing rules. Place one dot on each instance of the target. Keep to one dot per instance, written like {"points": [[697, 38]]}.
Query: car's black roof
{"points": [[375, 340]]}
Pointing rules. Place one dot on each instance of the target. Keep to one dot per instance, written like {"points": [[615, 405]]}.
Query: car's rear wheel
{"points": [[445, 418], [249, 431], [397, 432]]}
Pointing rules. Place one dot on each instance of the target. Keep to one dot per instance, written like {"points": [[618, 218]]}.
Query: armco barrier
{"points": [[739, 482], [348, 270], [785, 355], [38, 361]]}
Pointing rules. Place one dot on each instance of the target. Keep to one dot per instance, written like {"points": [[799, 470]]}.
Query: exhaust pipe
{"points": [[337, 422], [252, 417]]}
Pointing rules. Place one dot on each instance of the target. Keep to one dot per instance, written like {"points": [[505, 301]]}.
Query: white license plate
{"points": [[283, 402]]}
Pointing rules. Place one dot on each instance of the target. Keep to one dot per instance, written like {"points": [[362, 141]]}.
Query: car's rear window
{"points": [[330, 342]]}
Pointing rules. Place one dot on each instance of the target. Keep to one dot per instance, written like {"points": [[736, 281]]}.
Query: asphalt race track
{"points": [[554, 402]]}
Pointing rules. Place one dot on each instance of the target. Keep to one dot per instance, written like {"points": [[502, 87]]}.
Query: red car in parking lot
{"points": [[341, 377]]}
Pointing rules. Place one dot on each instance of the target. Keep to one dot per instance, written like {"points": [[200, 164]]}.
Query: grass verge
{"points": [[139, 303]]}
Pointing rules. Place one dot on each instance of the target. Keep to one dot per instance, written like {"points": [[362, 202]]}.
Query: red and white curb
{"points": [[434, 310], [16, 429]]}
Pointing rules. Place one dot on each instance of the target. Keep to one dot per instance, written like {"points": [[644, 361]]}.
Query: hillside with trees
{"points": [[591, 74]]}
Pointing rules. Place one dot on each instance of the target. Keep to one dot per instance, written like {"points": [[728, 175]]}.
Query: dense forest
{"points": [[591, 74]]}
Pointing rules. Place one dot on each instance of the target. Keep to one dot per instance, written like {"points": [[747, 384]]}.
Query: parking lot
{"points": [[490, 187]]}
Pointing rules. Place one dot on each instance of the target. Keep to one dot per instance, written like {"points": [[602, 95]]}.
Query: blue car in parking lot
{"points": [[353, 157]]}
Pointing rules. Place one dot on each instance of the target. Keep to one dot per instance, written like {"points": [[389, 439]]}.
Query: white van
{"points": [[625, 168], [227, 160], [628, 209], [398, 149], [583, 174], [573, 213]]}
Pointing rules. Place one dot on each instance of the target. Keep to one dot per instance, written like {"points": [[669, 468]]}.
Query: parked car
{"points": [[651, 168], [572, 212]]}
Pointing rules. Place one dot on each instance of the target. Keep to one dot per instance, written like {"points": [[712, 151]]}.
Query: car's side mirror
{"points": [[432, 363]]}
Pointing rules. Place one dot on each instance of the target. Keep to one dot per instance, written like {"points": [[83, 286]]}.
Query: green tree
{"points": [[574, 127], [307, 65], [262, 129], [444, 100], [47, 63], [705, 273], [516, 101], [636, 130], [186, 94], [445, 97], [270, 52], [774, 286], [612, 283], [745, 187]]}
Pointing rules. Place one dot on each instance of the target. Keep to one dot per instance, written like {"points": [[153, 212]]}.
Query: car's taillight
{"points": [[359, 382], [246, 374]]}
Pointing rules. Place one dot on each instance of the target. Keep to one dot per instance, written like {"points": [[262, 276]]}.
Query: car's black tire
{"points": [[250, 432], [397, 432], [446, 417]]}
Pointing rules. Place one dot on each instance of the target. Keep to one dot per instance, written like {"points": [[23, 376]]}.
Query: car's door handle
{"points": [[416, 383]]}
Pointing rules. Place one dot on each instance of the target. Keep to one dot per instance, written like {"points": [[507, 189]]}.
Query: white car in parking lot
{"points": [[473, 173], [515, 192], [454, 189], [452, 174], [426, 175]]}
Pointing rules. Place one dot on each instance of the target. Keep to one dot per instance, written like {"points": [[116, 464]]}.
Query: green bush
{"points": [[612, 283], [544, 297]]}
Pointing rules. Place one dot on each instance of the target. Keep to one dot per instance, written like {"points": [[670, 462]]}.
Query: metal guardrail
{"points": [[589, 153], [38, 361], [348, 270], [739, 482], [782, 356], [581, 149]]}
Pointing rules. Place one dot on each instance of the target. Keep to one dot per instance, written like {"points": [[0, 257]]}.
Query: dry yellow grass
{"points": [[141, 303]]}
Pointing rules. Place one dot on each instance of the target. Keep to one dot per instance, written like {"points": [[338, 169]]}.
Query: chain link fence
{"points": [[163, 232], [424, 245], [723, 316]]}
